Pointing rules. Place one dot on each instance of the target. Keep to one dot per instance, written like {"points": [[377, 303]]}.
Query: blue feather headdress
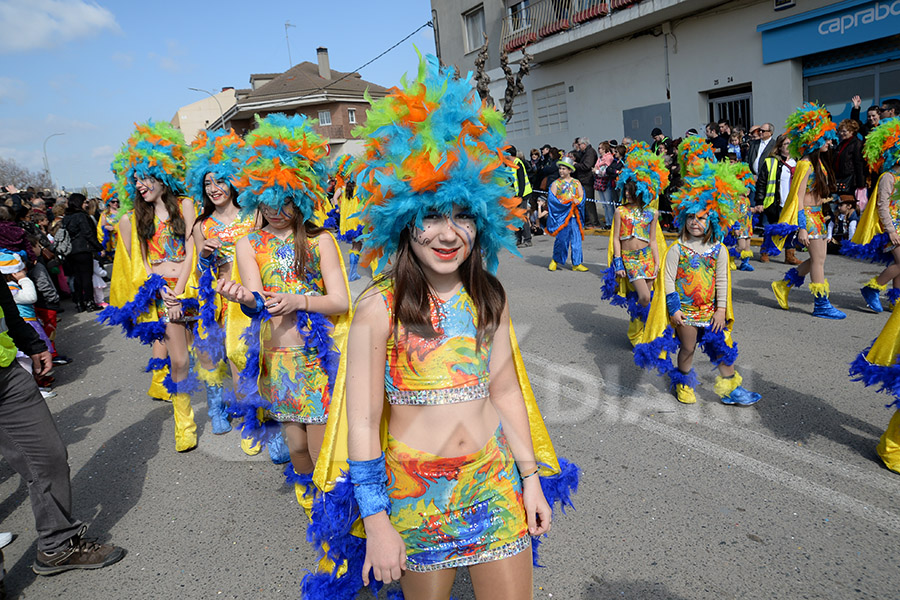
{"points": [[285, 163], [809, 128], [218, 152], [431, 144], [712, 190], [647, 170], [154, 150]]}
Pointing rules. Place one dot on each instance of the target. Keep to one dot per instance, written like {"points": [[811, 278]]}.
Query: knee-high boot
{"points": [[215, 402], [781, 287], [889, 446], [185, 427], [823, 307]]}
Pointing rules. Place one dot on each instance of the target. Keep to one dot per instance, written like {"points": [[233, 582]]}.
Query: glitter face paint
{"points": [[217, 191], [444, 242]]}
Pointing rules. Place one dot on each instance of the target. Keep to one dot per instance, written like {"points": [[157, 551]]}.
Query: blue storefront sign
{"points": [[839, 25]]}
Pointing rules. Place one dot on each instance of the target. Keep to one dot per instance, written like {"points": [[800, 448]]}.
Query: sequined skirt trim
{"points": [[458, 511], [439, 396]]}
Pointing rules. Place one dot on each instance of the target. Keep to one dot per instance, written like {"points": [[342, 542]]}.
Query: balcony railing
{"points": [[526, 24]]}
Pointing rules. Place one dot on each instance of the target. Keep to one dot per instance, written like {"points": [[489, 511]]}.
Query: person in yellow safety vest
{"points": [[522, 187], [770, 195]]}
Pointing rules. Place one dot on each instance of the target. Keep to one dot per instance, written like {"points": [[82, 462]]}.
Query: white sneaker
{"points": [[5, 539], [47, 395]]}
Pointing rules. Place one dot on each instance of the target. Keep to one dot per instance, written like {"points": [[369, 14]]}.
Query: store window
{"points": [[550, 109], [735, 104], [473, 22], [324, 117], [873, 84]]}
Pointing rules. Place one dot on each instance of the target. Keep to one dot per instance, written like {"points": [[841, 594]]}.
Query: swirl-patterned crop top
{"points": [[445, 369], [635, 223], [165, 246], [227, 234], [275, 259]]}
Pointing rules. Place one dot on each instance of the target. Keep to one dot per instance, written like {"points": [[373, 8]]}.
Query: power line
{"points": [[358, 69]]}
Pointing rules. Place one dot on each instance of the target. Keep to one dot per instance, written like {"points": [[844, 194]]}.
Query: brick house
{"points": [[334, 98]]}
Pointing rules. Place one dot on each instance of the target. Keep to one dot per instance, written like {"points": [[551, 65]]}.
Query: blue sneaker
{"points": [[742, 397], [872, 298], [278, 450]]}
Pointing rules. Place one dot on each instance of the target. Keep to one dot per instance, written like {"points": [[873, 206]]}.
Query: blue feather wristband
{"points": [[369, 478], [260, 306], [801, 219], [618, 263], [673, 302], [207, 261]]}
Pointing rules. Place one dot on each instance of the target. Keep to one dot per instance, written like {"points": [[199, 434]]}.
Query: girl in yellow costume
{"points": [[292, 285], [448, 458], [694, 298], [213, 167], [347, 201], [109, 218], [877, 238], [812, 132], [636, 237], [877, 365], [153, 274]]}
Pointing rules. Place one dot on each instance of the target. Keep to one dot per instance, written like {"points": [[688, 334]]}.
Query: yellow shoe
{"points": [[685, 394], [889, 445], [781, 290], [552, 266], [250, 448], [185, 427], [580, 268]]}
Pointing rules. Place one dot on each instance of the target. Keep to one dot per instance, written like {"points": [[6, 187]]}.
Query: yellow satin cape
{"points": [[886, 347], [792, 204], [333, 456], [658, 318], [869, 223]]}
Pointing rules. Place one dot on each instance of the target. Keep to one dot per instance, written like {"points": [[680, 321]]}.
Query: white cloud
{"points": [[12, 90], [39, 24], [172, 60], [104, 152], [123, 59]]}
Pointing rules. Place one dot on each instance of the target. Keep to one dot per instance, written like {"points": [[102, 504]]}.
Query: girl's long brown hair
{"points": [[143, 215], [824, 185], [302, 230], [413, 296]]}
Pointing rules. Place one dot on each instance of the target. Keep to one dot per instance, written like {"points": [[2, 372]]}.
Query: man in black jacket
{"points": [[584, 172], [30, 443]]}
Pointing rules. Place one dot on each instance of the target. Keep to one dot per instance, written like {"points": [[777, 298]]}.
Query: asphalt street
{"points": [[785, 499]]}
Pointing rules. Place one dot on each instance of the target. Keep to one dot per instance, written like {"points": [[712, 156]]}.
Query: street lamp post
{"points": [[47, 162], [213, 96]]}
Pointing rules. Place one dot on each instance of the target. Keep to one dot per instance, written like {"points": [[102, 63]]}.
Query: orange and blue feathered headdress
{"points": [[430, 144], [647, 170], [809, 128], [745, 176], [285, 164], [711, 190], [108, 193], [218, 152], [154, 150], [882, 147], [342, 170], [691, 152]]}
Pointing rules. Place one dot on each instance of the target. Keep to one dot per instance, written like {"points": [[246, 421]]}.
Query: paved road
{"points": [[785, 499]]}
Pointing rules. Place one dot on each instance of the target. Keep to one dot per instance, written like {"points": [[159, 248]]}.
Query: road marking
{"points": [[883, 518]]}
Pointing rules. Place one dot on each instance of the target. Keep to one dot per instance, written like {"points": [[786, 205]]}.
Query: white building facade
{"points": [[621, 68]]}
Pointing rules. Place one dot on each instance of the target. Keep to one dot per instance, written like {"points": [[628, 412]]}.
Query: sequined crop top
{"points": [[635, 223], [227, 234], [441, 370], [275, 259], [164, 246]]}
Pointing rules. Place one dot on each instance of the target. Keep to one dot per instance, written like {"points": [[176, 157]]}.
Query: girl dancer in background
{"points": [[293, 286], [695, 298], [812, 132], [877, 236], [636, 237], [153, 273], [213, 167], [350, 223], [109, 218], [453, 474]]}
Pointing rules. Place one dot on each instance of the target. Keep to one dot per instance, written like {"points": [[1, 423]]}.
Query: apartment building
{"points": [[608, 69]]}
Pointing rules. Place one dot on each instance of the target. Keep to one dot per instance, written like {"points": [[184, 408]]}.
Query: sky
{"points": [[91, 69]]}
